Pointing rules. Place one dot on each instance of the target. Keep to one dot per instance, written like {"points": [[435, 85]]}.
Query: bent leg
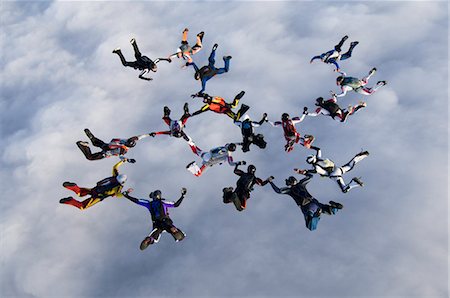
{"points": [[87, 152], [137, 53]]}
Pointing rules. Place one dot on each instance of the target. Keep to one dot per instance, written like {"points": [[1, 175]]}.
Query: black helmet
{"points": [[131, 142], [319, 101], [251, 169], [291, 181], [231, 147], [156, 195], [339, 79], [285, 116]]}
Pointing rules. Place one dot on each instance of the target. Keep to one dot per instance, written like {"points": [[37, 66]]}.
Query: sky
{"points": [[58, 76]]}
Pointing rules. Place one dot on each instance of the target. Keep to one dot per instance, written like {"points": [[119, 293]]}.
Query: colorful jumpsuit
{"points": [[185, 50], [218, 105], [332, 56], [160, 218], [327, 168], [208, 71], [357, 85], [176, 126], [311, 208], [214, 156], [108, 187], [291, 135]]}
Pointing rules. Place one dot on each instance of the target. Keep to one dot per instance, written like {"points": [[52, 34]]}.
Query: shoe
{"points": [[227, 57], [372, 71], [239, 96], [82, 143], [185, 30], [186, 108], [65, 200], [345, 37], [88, 133], [132, 40], [382, 83], [358, 180], [336, 205], [190, 164], [146, 242], [366, 153], [116, 50], [200, 35], [215, 46], [354, 43], [69, 184], [345, 116]]}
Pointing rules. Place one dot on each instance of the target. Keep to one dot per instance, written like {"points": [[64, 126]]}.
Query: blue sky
{"points": [[58, 76]]}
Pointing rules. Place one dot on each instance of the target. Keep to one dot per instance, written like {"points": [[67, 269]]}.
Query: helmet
{"points": [[156, 195], [311, 159], [122, 178], [131, 142], [291, 181], [339, 79], [245, 118], [231, 147], [285, 116], [319, 101], [251, 169]]}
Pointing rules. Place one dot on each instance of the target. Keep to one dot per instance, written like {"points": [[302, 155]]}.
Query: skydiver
{"points": [[244, 186], [160, 216], [143, 63], [208, 71], [311, 207], [176, 126], [357, 85], [332, 109], [218, 105], [214, 156], [185, 50], [327, 168], [290, 133], [108, 187], [116, 147], [332, 56], [248, 133]]}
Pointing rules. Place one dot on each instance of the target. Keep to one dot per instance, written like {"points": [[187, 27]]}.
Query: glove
{"points": [[242, 163], [305, 110], [152, 134], [128, 191], [131, 160], [271, 178], [183, 191]]}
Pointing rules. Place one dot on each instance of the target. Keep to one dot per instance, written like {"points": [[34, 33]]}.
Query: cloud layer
{"points": [[58, 76]]}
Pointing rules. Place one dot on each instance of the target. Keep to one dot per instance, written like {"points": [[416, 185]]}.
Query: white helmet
{"points": [[311, 159], [122, 178]]}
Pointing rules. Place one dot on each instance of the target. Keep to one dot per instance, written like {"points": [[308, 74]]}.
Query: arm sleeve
{"points": [[308, 177], [115, 170], [177, 203], [284, 190], [259, 181], [276, 123], [230, 160], [296, 120], [237, 171], [344, 91]]}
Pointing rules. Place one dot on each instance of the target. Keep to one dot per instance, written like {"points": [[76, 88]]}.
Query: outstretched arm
{"points": [[263, 119], [163, 59], [183, 192], [237, 171], [166, 132], [260, 182], [141, 202], [296, 120], [318, 151], [283, 190], [141, 75], [308, 175]]}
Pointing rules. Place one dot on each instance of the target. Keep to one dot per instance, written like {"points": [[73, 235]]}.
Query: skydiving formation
{"points": [[143, 63], [158, 207]]}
